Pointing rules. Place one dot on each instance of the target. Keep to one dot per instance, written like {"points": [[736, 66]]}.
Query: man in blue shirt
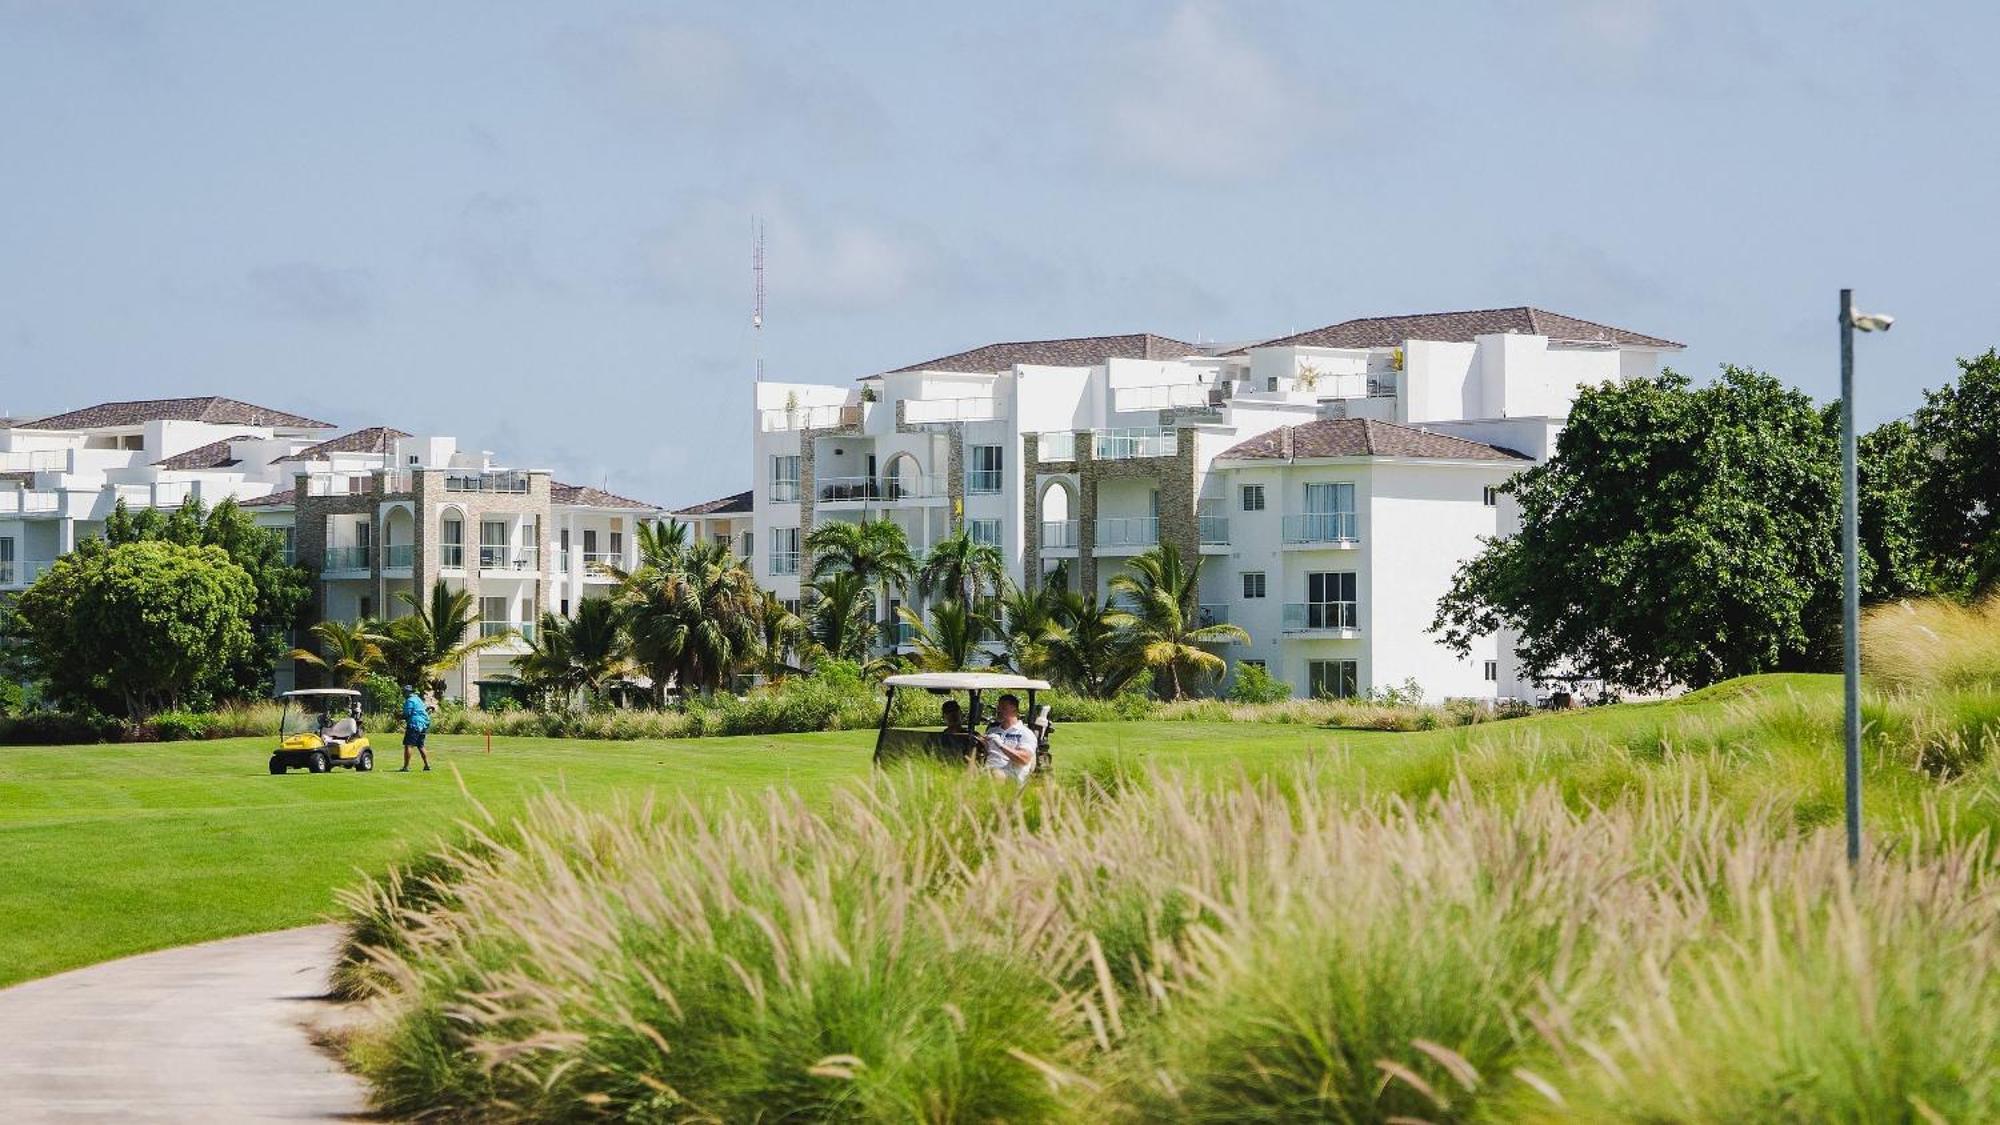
{"points": [[416, 724]]}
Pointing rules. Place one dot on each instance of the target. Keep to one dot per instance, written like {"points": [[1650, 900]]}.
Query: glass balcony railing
{"points": [[1323, 527], [1140, 531], [785, 564], [1214, 531], [451, 556], [502, 557], [525, 630], [399, 556], [864, 489], [982, 480], [1123, 445], [346, 558], [486, 482], [1056, 445], [1322, 617], [1059, 534], [1212, 615]]}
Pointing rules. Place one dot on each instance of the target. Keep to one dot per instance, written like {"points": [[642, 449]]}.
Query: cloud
{"points": [[309, 291], [1200, 100], [492, 246]]}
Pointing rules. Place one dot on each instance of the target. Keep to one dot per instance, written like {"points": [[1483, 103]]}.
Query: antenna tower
{"points": [[757, 272]]}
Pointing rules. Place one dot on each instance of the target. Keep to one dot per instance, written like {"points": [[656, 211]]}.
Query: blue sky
{"points": [[529, 224]]}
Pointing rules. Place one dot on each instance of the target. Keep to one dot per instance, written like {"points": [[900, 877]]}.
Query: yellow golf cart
{"points": [[320, 730], [895, 744]]}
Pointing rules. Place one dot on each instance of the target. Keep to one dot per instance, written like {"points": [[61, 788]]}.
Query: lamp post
{"points": [[1850, 561]]}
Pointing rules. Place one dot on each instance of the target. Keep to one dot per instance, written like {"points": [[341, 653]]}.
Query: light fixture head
{"points": [[1870, 322]]}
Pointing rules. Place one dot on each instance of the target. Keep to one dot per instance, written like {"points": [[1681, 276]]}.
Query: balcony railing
{"points": [[785, 564], [451, 556], [781, 420], [21, 501], [1123, 445], [1056, 445], [1212, 615], [917, 412], [1059, 534], [525, 630], [35, 461], [23, 572], [1214, 531], [347, 558], [863, 489], [507, 482], [399, 556], [983, 480], [784, 491], [1140, 531], [399, 481], [1163, 396], [509, 558], [1323, 527], [1322, 617], [338, 484]]}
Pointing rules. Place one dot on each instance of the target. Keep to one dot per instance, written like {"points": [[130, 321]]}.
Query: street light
{"points": [[1850, 559]]}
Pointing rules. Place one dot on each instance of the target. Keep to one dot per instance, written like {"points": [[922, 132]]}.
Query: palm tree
{"points": [[949, 642], [440, 634], [661, 541], [691, 611], [584, 654], [961, 567], [782, 638], [1031, 624], [348, 654], [1161, 605], [876, 552], [1092, 653], [843, 616]]}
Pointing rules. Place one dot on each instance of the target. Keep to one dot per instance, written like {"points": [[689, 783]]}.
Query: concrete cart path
{"points": [[211, 1032]]}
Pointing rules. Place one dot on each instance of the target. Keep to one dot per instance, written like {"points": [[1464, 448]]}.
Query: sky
{"points": [[528, 225]]}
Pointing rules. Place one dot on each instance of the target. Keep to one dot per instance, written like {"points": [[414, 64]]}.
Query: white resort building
{"points": [[1332, 480], [373, 511]]}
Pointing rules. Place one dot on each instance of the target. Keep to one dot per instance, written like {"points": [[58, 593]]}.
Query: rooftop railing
{"points": [[502, 482], [918, 411], [1056, 445], [790, 419], [1323, 527], [1162, 396], [338, 484]]}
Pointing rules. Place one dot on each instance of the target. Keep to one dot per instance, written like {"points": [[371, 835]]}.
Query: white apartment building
{"points": [[1332, 480], [372, 512]]}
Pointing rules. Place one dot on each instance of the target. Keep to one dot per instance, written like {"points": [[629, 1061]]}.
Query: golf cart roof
{"points": [[967, 681], [322, 691]]}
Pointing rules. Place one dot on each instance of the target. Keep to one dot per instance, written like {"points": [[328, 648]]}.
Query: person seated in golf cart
{"points": [[1010, 745], [955, 733], [960, 742]]}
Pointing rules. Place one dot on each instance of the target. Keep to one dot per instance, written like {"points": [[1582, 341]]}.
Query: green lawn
{"points": [[112, 850]]}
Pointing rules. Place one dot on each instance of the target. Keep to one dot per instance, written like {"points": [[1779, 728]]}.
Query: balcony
{"points": [[1325, 529], [1126, 444], [1059, 535], [943, 411], [1214, 531], [1328, 619], [1056, 445], [792, 419], [873, 490], [524, 630], [451, 556], [497, 482], [595, 562], [19, 572], [399, 556], [338, 484], [399, 482], [1207, 615], [518, 559], [346, 559], [1164, 396], [1128, 533], [35, 461], [28, 501], [161, 494]]}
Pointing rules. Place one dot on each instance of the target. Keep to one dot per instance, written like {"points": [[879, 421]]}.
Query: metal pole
{"points": [[1850, 578]]}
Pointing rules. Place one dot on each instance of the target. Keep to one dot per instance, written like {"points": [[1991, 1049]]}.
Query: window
{"points": [[784, 550], [590, 545], [367, 608], [618, 547], [1253, 583], [1333, 679], [985, 532], [565, 607], [492, 543], [792, 606], [1330, 512], [1271, 383], [1253, 497], [452, 534], [287, 545], [1330, 602], [492, 616], [361, 535], [785, 477], [1492, 671], [1490, 496], [749, 543], [414, 459], [7, 561], [982, 468]]}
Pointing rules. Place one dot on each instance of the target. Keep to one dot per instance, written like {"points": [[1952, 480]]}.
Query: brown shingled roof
{"points": [[214, 455], [734, 504], [374, 439], [1079, 351], [1461, 327], [272, 500], [586, 496], [222, 411], [1363, 437]]}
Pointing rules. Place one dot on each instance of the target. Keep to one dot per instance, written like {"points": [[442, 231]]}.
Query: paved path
{"points": [[213, 1032]]}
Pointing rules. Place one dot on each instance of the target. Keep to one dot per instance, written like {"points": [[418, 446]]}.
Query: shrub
{"points": [[381, 695], [1252, 684], [59, 728], [181, 726]]}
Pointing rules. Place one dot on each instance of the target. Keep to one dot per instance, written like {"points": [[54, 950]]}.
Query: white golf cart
{"points": [[895, 744]]}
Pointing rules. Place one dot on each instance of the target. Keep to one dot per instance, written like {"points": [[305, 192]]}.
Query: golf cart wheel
{"points": [[366, 762], [277, 766], [317, 763]]}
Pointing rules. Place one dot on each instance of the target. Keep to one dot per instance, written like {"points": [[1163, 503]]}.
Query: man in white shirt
{"points": [[1010, 745]]}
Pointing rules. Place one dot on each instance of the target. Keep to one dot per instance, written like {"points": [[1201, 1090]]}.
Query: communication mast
{"points": [[757, 313]]}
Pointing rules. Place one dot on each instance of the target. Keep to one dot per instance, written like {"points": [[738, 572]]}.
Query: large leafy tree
{"points": [[949, 641], [137, 628], [1160, 608], [346, 653], [1958, 499], [579, 657], [283, 589], [1678, 535], [1893, 467], [440, 633], [960, 567]]}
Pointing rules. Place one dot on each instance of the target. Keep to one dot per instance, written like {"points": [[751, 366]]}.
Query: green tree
{"points": [[348, 654], [1161, 609], [782, 640], [1958, 499], [1677, 535], [875, 551], [692, 612], [283, 589], [949, 641], [843, 616], [581, 656], [1893, 466], [1091, 652], [960, 567], [439, 634], [1031, 623], [137, 628]]}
